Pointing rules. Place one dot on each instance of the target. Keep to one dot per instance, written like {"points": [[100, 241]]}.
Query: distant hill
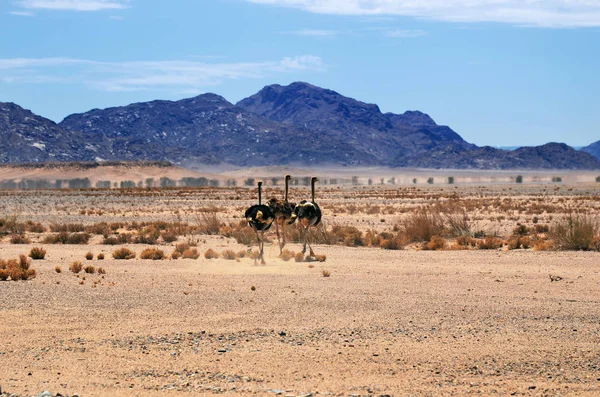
{"points": [[593, 149], [298, 124]]}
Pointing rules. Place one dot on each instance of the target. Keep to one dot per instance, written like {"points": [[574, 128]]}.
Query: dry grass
{"points": [[229, 255], [16, 269], [89, 269], [421, 225], [19, 239], [123, 238], [152, 253], [101, 270], [37, 253], [208, 223], [100, 256], [191, 253], [325, 273], [123, 253], [58, 269], [211, 254], [436, 243], [490, 243], [89, 256], [66, 238], [576, 232], [76, 267]]}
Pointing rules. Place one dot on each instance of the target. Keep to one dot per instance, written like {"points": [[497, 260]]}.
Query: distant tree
{"points": [[370, 181], [415, 181], [249, 182], [167, 182], [598, 179], [451, 180], [79, 183], [103, 184], [519, 179], [430, 180], [556, 179], [214, 182], [149, 182], [355, 180], [127, 184]]}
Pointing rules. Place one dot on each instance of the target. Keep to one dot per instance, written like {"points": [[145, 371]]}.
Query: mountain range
{"points": [[298, 124]]}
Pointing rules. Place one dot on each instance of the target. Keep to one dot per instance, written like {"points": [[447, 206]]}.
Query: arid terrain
{"points": [[425, 290]]}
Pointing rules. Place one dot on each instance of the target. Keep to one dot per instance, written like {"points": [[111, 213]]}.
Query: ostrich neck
{"points": [[259, 195], [312, 190], [286, 190]]}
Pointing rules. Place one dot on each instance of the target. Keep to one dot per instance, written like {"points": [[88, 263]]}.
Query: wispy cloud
{"points": [[22, 13], [175, 76], [314, 32], [74, 5], [405, 33], [539, 13]]}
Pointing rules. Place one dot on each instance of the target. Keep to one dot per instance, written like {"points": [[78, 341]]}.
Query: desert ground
{"points": [[499, 307]]}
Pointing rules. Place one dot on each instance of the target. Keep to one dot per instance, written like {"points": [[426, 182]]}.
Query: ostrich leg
{"points": [[310, 250], [262, 247], [278, 236]]}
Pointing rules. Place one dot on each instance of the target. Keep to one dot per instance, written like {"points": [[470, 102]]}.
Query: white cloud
{"points": [[22, 13], [147, 75], [315, 32], [75, 5], [541, 13], [405, 33]]}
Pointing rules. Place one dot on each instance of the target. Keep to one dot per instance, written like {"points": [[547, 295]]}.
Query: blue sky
{"points": [[499, 72]]}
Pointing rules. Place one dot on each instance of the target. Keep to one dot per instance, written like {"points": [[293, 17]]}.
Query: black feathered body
{"points": [[282, 210], [308, 213], [259, 217]]}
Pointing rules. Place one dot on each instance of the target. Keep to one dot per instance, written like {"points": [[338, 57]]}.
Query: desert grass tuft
{"points": [[123, 253], [89, 256], [325, 273], [100, 256], [211, 254], [19, 239], [37, 253], [89, 269], [76, 267], [576, 232], [229, 255], [152, 253], [190, 253], [57, 269]]}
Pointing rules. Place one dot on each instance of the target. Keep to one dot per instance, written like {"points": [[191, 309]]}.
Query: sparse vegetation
{"points": [[76, 267], [576, 232], [123, 253], [89, 269], [152, 253], [89, 256], [211, 254], [37, 253], [16, 269]]}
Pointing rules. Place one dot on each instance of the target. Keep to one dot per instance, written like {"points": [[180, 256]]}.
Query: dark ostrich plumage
{"points": [[308, 213], [282, 210], [259, 217]]}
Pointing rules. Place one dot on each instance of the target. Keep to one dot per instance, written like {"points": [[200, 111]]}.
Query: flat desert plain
{"points": [[366, 321]]}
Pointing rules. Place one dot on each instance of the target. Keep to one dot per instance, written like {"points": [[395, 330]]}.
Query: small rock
{"points": [[282, 333], [222, 351], [45, 393], [532, 387]]}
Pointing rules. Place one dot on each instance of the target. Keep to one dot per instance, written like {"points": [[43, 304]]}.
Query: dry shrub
{"points": [[152, 253], [520, 230], [490, 243], [544, 245], [286, 255], [101, 270], [466, 241], [98, 228], [16, 269], [458, 224], [576, 232], [176, 255], [421, 225], [230, 255], [76, 267], [436, 243], [89, 256], [519, 242], [37, 253], [89, 269], [211, 254], [19, 239], [67, 227], [66, 238], [150, 238], [321, 258], [35, 227], [58, 269], [242, 254], [393, 242], [192, 253], [100, 256], [325, 273], [372, 238], [299, 257], [349, 236], [208, 223], [123, 238], [168, 237], [542, 228], [241, 232], [123, 253]]}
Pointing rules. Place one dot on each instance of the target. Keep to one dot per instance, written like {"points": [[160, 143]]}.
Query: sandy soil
{"points": [[402, 323]]}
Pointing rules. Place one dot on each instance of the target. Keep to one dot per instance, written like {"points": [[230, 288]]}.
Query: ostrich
{"points": [[308, 214], [259, 217], [283, 210]]}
